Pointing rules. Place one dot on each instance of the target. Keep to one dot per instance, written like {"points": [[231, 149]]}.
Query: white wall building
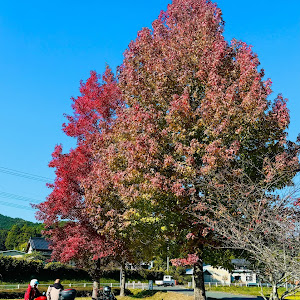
{"points": [[240, 274]]}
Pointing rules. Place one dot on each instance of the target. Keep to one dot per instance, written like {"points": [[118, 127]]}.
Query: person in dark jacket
{"points": [[54, 290], [32, 290]]}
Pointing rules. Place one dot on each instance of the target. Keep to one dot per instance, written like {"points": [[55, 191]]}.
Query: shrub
{"points": [[20, 270]]}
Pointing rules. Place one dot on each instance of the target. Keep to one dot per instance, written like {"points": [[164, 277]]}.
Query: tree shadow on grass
{"points": [[146, 294]]}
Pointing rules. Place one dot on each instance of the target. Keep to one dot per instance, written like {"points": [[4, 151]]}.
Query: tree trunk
{"points": [[274, 293], [123, 281], [199, 289], [96, 280]]}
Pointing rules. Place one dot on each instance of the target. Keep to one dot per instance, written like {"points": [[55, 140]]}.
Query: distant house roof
{"points": [[206, 272], [240, 262], [189, 271], [38, 244]]}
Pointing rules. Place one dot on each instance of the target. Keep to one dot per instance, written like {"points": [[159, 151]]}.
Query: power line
{"points": [[4, 203], [20, 198], [25, 175]]}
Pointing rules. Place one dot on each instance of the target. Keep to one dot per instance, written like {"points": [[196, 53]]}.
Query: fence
{"points": [[216, 284], [249, 284], [133, 285]]}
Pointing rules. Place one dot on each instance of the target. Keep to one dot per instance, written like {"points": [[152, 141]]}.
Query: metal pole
{"points": [[167, 263]]}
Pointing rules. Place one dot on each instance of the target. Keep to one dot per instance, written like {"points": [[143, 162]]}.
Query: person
{"points": [[32, 290], [54, 290]]}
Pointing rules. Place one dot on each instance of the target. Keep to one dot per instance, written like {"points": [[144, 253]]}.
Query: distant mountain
{"points": [[8, 222]]}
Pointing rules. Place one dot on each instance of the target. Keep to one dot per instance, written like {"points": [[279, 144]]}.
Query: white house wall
{"points": [[245, 277], [221, 275], [217, 275]]}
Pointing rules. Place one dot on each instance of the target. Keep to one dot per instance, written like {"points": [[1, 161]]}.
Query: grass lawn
{"points": [[253, 290], [156, 296], [152, 295], [159, 296]]}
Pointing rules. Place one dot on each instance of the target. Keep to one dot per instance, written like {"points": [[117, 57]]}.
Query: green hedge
{"points": [[22, 271]]}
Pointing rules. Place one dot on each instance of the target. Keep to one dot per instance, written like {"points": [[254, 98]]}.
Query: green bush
{"points": [[20, 270]]}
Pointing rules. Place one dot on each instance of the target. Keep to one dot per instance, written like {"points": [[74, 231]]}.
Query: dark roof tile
{"points": [[39, 244]]}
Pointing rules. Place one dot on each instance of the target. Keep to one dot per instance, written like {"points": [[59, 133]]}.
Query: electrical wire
{"points": [[25, 175], [4, 203], [18, 197]]}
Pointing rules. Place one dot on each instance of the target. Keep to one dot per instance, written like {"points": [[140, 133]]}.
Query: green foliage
{"points": [[12, 237], [19, 270], [8, 222], [18, 236], [3, 235], [220, 257], [22, 271], [35, 255], [160, 264]]}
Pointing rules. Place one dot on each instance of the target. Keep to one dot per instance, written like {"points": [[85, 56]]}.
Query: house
{"points": [[216, 274], [241, 273], [38, 244], [213, 274], [12, 253]]}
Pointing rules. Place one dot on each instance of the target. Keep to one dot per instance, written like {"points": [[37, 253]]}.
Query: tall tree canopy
{"points": [[196, 104], [187, 104]]}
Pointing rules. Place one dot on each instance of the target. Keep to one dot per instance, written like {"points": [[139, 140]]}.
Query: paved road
{"points": [[209, 294]]}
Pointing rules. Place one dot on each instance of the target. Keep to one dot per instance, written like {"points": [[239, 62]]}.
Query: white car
{"points": [[167, 281]]}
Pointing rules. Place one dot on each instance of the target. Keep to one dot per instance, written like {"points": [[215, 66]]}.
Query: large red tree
{"points": [[195, 104], [76, 238]]}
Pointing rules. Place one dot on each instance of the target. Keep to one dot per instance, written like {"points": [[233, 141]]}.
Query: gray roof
{"points": [[39, 244], [240, 262]]}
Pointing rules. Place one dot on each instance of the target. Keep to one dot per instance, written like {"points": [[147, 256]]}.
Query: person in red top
{"points": [[32, 290]]}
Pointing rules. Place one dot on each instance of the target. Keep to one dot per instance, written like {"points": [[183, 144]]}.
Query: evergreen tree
{"points": [[12, 240], [3, 235]]}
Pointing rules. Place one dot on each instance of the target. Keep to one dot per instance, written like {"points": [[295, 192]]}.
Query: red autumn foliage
{"points": [[77, 239]]}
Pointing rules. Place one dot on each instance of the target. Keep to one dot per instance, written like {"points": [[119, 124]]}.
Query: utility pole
{"points": [[167, 264], [168, 260]]}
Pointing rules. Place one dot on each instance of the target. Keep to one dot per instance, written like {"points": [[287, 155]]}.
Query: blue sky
{"points": [[47, 47]]}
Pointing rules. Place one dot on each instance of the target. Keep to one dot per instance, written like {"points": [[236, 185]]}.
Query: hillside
{"points": [[8, 222]]}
